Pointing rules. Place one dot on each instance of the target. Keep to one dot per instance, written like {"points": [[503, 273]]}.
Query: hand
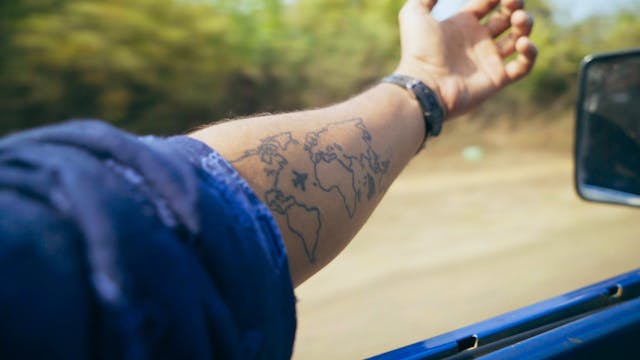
{"points": [[460, 57]]}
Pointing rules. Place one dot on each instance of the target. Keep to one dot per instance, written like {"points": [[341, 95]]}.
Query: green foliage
{"points": [[164, 66], [144, 64], [343, 46]]}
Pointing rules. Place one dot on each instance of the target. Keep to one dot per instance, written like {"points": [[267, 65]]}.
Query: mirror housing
{"points": [[607, 147]]}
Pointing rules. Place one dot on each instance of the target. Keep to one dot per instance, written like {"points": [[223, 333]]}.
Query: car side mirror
{"points": [[607, 151]]}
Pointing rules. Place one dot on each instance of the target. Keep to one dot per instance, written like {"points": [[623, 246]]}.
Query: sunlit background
{"points": [[164, 66], [484, 221]]}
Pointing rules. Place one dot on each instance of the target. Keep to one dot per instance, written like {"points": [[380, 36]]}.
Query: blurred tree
{"points": [[164, 66], [344, 45], [147, 64]]}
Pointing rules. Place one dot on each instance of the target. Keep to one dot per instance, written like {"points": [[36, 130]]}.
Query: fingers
{"points": [[501, 20], [521, 25], [480, 8], [518, 41], [429, 4], [522, 64]]}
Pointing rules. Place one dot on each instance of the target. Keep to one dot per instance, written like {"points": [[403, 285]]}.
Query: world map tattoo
{"points": [[353, 173]]}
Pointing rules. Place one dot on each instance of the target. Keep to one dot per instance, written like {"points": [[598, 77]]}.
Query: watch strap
{"points": [[432, 111]]}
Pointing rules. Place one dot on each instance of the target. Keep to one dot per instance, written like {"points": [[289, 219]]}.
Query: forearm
{"points": [[322, 172]]}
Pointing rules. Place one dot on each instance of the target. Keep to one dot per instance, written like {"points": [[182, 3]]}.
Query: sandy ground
{"points": [[456, 242]]}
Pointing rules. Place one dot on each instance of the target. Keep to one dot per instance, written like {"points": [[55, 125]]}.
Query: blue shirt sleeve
{"points": [[135, 248]]}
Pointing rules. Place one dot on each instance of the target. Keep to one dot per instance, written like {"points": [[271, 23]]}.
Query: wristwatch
{"points": [[432, 111]]}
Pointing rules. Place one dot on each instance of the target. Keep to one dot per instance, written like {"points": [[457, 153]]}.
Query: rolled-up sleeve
{"points": [[135, 248]]}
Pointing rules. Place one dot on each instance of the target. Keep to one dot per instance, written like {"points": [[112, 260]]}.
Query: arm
{"points": [[322, 172]]}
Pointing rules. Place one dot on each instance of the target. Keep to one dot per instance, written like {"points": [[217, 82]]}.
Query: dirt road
{"points": [[454, 243]]}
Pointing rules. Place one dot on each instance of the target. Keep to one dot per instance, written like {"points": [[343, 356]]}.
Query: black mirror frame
{"points": [[582, 80]]}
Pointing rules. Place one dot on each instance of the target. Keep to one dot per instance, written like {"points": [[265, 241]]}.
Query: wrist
{"points": [[431, 110], [401, 112]]}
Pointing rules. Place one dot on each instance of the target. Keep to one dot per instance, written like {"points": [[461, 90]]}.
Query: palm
{"points": [[460, 56]]}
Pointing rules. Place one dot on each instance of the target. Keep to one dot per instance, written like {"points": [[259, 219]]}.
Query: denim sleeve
{"points": [[114, 246]]}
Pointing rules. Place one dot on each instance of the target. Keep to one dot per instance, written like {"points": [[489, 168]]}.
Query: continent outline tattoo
{"points": [[362, 164], [370, 157]]}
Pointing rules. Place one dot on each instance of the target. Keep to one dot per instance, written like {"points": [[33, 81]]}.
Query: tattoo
{"points": [[361, 163], [351, 173], [300, 180]]}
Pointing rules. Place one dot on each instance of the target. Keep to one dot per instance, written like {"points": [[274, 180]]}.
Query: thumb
{"points": [[420, 5]]}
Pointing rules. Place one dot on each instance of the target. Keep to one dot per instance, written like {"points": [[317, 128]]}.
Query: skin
{"points": [[322, 172]]}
